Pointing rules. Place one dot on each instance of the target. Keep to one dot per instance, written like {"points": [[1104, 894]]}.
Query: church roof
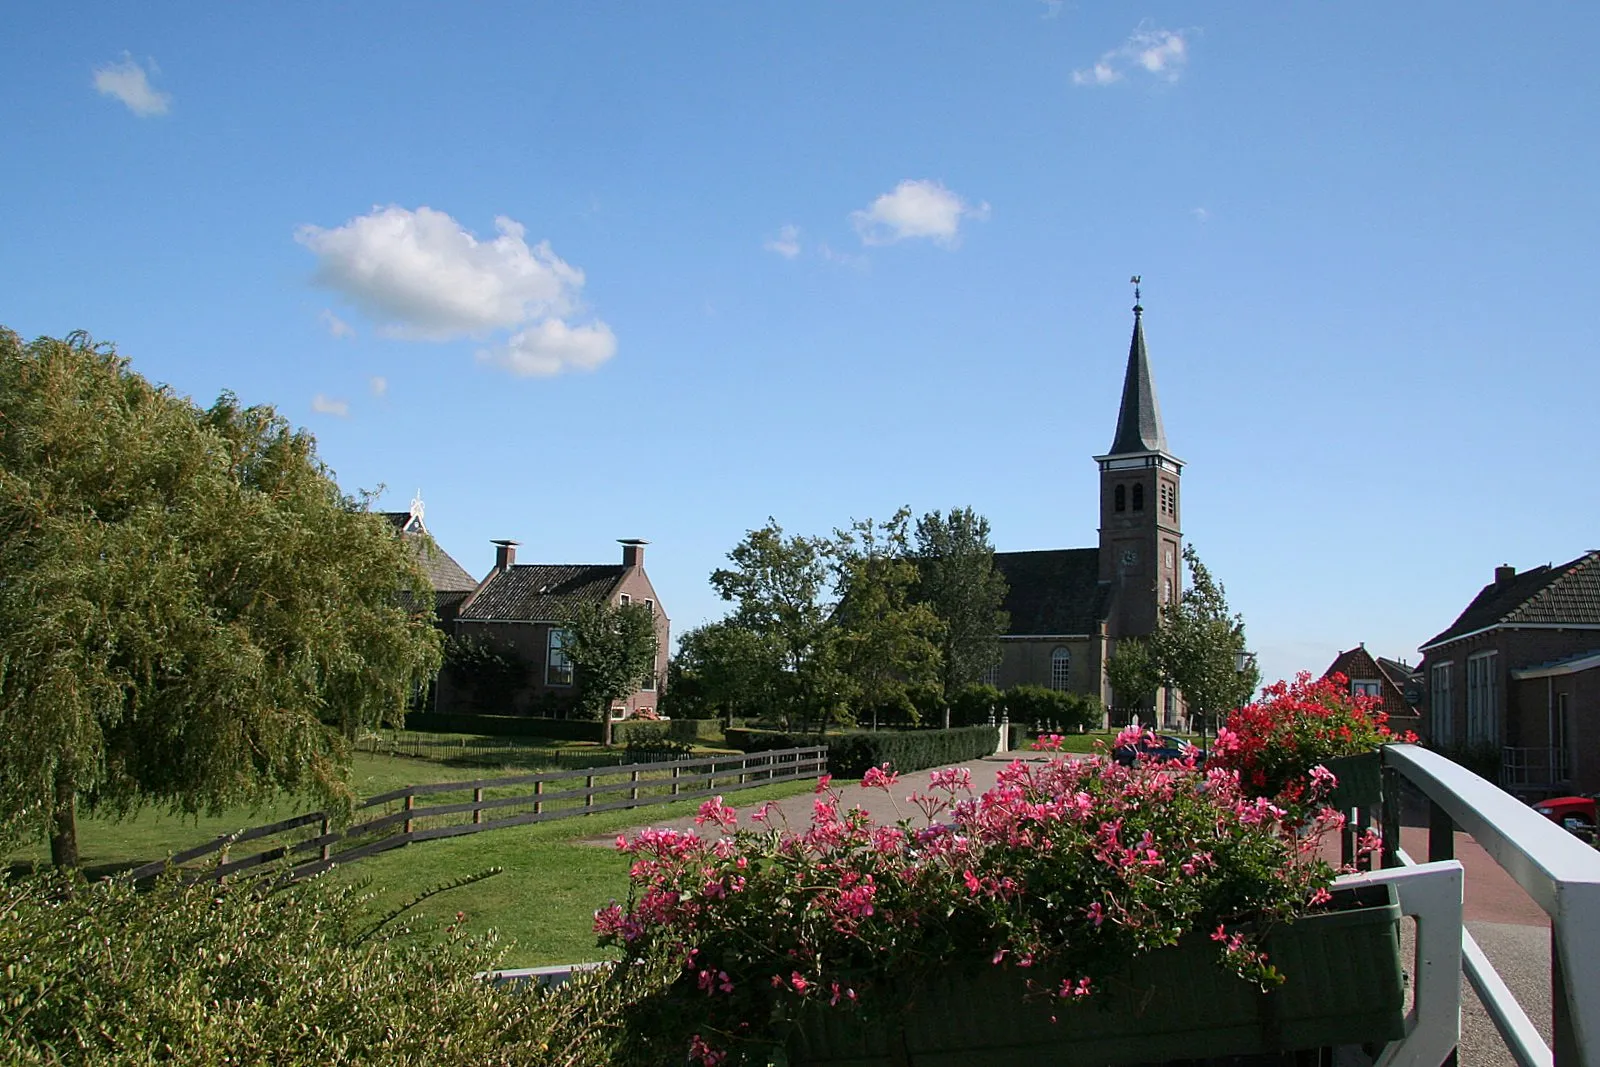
{"points": [[1139, 419], [1054, 592]]}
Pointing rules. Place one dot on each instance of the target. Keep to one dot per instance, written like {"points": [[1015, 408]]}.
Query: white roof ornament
{"points": [[416, 511]]}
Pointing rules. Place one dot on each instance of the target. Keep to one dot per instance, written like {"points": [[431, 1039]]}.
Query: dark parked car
{"points": [[1164, 747]]}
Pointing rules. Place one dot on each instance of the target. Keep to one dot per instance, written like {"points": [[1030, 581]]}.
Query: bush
{"points": [[1035, 703], [99, 973], [651, 739], [685, 730], [976, 705], [504, 726], [852, 752]]}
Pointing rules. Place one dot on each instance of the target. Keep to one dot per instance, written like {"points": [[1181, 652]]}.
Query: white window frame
{"points": [[990, 676], [1061, 669], [1483, 698], [555, 657], [649, 683], [1442, 723], [619, 712], [1368, 687], [624, 599], [650, 606]]}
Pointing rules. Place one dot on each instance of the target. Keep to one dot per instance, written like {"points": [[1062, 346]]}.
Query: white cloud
{"points": [[323, 404], [916, 208], [378, 385], [336, 326], [550, 347], [1159, 53], [129, 82], [787, 243], [422, 276]]}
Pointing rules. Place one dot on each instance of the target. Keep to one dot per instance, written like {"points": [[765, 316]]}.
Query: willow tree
{"points": [[191, 613]]}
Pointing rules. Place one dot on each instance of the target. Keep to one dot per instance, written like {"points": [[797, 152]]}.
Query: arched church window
{"points": [[1138, 498], [1060, 669], [1120, 497]]}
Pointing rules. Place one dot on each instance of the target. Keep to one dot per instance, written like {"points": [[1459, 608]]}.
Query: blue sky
{"points": [[582, 272]]}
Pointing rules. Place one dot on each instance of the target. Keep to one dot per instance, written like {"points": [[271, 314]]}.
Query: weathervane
{"points": [[1134, 281]]}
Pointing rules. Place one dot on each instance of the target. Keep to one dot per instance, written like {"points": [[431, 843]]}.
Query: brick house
{"points": [[1070, 606], [1519, 671], [525, 607], [1398, 684], [451, 582]]}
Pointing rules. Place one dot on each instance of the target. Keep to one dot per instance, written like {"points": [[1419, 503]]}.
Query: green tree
{"points": [[191, 612], [887, 643], [781, 588], [727, 669], [613, 652], [958, 580], [1196, 649], [1134, 673]]}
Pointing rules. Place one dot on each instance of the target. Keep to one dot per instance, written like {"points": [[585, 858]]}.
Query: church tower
{"points": [[1141, 538]]}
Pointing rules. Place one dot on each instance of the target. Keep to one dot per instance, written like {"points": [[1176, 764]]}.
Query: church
{"points": [[1070, 606]]}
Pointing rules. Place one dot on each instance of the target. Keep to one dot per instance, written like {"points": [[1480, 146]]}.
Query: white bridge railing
{"points": [[1559, 872]]}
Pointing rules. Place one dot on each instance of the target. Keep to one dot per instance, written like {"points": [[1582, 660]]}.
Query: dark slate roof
{"points": [[1567, 594], [444, 573], [1399, 673], [531, 592], [398, 519], [1055, 591], [1139, 419]]}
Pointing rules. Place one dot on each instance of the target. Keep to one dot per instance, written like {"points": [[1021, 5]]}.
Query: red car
{"points": [[1572, 813]]}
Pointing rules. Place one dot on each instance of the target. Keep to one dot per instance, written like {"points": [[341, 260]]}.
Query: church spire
{"points": [[1139, 419]]}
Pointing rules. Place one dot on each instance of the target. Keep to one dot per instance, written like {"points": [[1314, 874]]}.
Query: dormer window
{"points": [[1119, 497], [1138, 498]]}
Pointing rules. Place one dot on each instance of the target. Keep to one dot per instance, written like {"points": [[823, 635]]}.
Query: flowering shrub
{"points": [[1060, 873], [1277, 743]]}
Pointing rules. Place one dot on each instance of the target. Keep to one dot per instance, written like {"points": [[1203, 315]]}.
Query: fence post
{"points": [[674, 779], [538, 791], [477, 798], [588, 794], [327, 846], [633, 794], [411, 803]]}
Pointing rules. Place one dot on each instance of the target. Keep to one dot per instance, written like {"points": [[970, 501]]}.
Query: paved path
{"points": [[1513, 931]]}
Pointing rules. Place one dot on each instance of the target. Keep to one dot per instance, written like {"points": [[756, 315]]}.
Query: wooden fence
{"points": [[496, 803]]}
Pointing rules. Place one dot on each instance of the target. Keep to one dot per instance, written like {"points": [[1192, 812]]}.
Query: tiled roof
{"points": [[1360, 665], [531, 592], [1055, 591], [1567, 594]]}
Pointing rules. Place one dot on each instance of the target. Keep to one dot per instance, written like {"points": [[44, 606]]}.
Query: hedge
{"points": [[687, 730], [852, 752], [503, 725]]}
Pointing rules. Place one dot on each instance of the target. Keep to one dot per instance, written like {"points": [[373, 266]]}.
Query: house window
{"points": [[557, 667], [1443, 725], [1483, 709], [1138, 498], [649, 683], [1060, 669], [619, 712], [1166, 590], [990, 675], [1119, 496], [650, 606], [624, 599], [1364, 687]]}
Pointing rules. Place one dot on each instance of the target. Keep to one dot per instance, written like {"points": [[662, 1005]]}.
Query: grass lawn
{"points": [[544, 901]]}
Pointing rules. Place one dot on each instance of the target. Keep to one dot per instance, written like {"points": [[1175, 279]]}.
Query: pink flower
{"points": [[715, 811], [1096, 913], [798, 981], [974, 887], [879, 778], [824, 782]]}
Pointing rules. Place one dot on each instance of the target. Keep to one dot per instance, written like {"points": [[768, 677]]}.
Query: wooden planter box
{"points": [[1343, 986]]}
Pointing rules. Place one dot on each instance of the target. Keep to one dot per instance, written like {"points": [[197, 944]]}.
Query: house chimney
{"points": [[505, 555], [632, 551], [1504, 573]]}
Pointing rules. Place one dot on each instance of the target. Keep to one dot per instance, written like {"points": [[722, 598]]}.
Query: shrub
{"points": [[1035, 703], [99, 973], [504, 726], [976, 705], [648, 739]]}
